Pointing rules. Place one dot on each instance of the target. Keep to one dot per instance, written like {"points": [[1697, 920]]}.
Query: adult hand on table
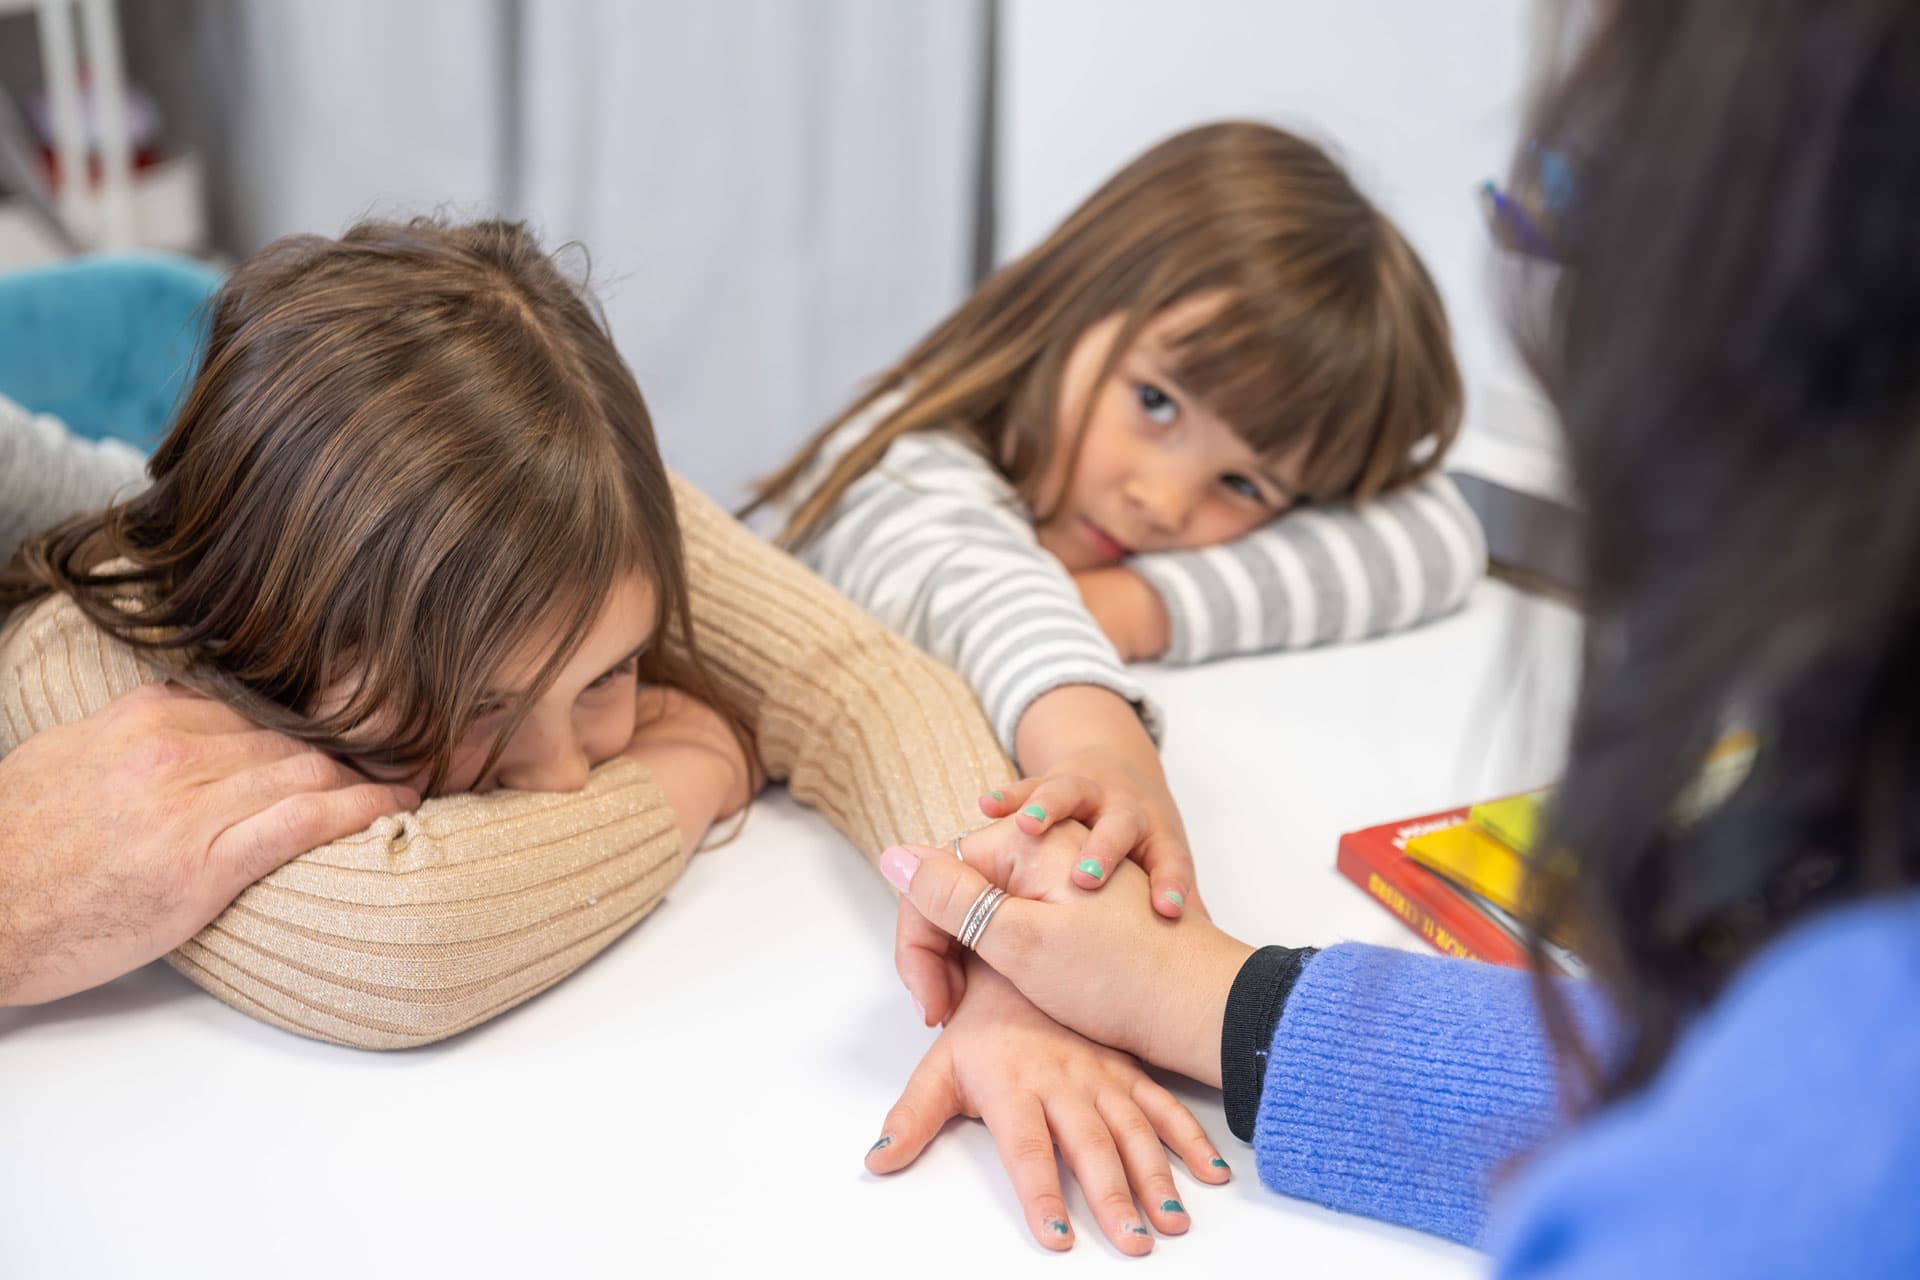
{"points": [[128, 831], [1104, 964]]}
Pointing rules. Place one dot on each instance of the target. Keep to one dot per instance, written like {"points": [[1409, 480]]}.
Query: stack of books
{"points": [[1462, 878], [1457, 878]]}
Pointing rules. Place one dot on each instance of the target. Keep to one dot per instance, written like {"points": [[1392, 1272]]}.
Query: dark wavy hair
{"points": [[1734, 350], [407, 452]]}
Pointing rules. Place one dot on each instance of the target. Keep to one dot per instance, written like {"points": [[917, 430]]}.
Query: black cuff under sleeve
{"points": [[1254, 1005]]}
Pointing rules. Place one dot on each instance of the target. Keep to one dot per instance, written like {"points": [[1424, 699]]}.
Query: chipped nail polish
{"points": [[1172, 1206], [1092, 868], [886, 1140], [1174, 896], [1056, 1225], [1035, 812]]}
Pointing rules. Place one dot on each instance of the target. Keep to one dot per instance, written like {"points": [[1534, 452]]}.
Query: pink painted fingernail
{"points": [[898, 865]]}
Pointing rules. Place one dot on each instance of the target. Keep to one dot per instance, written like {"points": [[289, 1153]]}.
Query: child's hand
{"points": [[695, 757], [1128, 610], [1038, 1085], [1129, 815], [1096, 962]]}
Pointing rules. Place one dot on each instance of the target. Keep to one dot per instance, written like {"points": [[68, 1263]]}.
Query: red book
{"points": [[1377, 861]]}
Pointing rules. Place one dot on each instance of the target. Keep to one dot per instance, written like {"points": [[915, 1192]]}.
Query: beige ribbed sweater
{"points": [[428, 923]]}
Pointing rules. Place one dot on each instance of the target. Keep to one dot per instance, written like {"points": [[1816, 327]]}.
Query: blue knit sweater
{"points": [[1781, 1139]]}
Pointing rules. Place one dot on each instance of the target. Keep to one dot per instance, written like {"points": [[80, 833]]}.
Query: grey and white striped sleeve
{"points": [[1321, 575], [48, 474], [936, 544]]}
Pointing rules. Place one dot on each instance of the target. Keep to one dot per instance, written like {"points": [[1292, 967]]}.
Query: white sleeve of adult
{"points": [[1321, 575]]}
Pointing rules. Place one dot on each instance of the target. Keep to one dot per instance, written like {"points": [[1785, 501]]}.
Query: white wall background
{"points": [[776, 198], [1421, 99]]}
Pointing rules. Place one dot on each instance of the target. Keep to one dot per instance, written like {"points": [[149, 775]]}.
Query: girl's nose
{"points": [[1166, 501], [541, 761]]}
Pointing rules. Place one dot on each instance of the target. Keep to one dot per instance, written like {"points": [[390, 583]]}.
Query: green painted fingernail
{"points": [[996, 795], [1173, 896], [1035, 812], [886, 1140], [1172, 1206], [1056, 1225], [1134, 1228], [1218, 1163], [1092, 868]]}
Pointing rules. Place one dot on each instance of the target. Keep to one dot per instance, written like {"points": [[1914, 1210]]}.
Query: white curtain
{"points": [[776, 198]]}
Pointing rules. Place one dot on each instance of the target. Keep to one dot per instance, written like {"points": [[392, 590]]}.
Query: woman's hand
{"points": [[1090, 758], [926, 958], [1038, 1085], [695, 757], [1098, 962]]}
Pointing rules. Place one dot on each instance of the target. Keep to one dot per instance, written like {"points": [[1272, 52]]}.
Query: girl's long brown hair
{"points": [[1331, 335], [1733, 349], [408, 453]]}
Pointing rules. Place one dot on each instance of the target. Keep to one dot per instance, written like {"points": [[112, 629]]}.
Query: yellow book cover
{"points": [[1469, 855], [1515, 820]]}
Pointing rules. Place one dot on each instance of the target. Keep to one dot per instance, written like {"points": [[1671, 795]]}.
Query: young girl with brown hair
{"points": [[412, 512], [1201, 418]]}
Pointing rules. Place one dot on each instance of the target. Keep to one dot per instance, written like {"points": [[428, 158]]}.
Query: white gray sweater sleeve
{"points": [[48, 474], [936, 544], [1322, 574]]}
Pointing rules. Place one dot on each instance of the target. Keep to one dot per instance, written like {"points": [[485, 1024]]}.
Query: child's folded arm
{"points": [[888, 744], [418, 927], [933, 543], [1321, 574]]}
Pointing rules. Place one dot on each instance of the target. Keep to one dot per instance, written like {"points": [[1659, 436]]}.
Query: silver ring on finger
{"points": [[979, 914]]}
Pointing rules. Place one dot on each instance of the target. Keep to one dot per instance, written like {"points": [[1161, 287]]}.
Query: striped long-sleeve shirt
{"points": [[937, 544]]}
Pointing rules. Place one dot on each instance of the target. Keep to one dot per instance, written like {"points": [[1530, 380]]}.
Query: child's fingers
{"points": [[1148, 1172], [920, 953], [929, 1101], [1019, 1128], [1095, 1160], [1170, 867], [1065, 796], [1114, 835], [1180, 1131], [1002, 801]]}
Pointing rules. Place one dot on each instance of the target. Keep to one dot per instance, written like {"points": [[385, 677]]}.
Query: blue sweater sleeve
{"points": [[1403, 1086], [1781, 1138]]}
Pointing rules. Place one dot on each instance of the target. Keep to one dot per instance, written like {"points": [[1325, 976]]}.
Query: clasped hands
{"points": [[1106, 976]]}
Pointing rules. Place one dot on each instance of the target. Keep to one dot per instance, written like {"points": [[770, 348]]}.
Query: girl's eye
{"points": [[1243, 486], [625, 669], [1158, 405]]}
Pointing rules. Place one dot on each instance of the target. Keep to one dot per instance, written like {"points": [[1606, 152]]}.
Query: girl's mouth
{"points": [[1105, 543]]}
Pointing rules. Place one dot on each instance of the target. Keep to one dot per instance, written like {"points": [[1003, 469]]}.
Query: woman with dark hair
{"points": [[1735, 354]]}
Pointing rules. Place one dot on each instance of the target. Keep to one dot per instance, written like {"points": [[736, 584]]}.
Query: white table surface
{"points": [[698, 1099]]}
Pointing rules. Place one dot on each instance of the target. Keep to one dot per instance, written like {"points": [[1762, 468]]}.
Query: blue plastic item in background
{"points": [[107, 345]]}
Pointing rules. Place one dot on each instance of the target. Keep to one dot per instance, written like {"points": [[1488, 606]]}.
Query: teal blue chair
{"points": [[107, 345]]}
